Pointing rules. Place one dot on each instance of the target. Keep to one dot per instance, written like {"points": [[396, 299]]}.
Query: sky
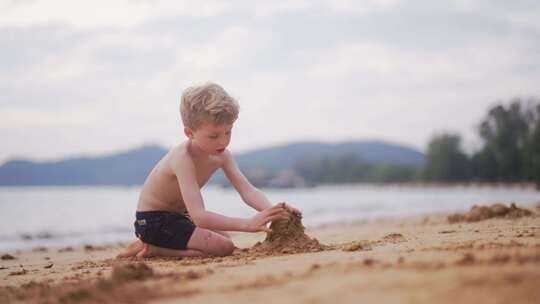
{"points": [[96, 77]]}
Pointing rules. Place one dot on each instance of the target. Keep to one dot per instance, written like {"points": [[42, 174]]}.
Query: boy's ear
{"points": [[188, 132]]}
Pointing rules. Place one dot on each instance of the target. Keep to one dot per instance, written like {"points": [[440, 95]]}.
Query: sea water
{"points": [[62, 216]]}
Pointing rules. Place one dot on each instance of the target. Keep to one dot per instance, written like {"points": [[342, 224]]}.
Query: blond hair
{"points": [[207, 103]]}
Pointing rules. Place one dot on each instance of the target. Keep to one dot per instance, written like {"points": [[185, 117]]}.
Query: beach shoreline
{"points": [[421, 259]]}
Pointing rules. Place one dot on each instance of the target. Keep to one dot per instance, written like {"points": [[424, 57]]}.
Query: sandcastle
{"points": [[288, 236]]}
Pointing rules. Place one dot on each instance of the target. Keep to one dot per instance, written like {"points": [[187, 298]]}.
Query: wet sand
{"points": [[412, 260]]}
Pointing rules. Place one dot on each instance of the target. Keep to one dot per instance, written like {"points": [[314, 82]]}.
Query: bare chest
{"points": [[161, 191], [204, 169]]}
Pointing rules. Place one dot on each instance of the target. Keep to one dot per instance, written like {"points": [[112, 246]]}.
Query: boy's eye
{"points": [[212, 137]]}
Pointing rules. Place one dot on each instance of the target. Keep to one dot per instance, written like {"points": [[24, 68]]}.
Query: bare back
{"points": [[161, 190]]}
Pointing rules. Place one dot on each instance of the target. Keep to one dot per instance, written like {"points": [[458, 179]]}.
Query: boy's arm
{"points": [[184, 168], [249, 193]]}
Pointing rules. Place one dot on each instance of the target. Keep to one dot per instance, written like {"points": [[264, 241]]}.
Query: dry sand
{"points": [[413, 260]]}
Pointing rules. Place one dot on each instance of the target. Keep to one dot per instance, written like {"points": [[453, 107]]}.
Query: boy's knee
{"points": [[226, 247]]}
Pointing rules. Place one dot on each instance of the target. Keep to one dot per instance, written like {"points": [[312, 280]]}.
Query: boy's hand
{"points": [[259, 221], [292, 209]]}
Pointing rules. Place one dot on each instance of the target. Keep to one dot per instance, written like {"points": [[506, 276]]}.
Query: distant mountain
{"points": [[132, 167], [125, 168], [373, 152]]}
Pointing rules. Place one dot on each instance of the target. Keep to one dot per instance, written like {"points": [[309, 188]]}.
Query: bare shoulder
{"points": [[179, 156]]}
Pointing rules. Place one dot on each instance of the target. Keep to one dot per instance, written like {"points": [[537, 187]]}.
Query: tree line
{"points": [[351, 168], [509, 152]]}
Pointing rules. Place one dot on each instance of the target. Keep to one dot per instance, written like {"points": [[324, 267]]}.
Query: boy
{"points": [[171, 219]]}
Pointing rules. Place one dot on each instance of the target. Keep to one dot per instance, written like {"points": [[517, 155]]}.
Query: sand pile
{"points": [[288, 236], [126, 285], [7, 257], [123, 272], [479, 213], [393, 238], [363, 245], [356, 245]]}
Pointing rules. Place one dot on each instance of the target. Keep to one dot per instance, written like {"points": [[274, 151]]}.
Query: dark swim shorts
{"points": [[164, 229]]}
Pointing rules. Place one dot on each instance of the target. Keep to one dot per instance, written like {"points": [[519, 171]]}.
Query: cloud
{"points": [[100, 13], [397, 70]]}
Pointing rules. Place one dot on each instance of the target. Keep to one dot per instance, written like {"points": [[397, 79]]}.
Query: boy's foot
{"points": [[146, 251], [132, 250], [149, 251]]}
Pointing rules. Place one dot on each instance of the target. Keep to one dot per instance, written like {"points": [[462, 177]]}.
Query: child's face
{"points": [[211, 138]]}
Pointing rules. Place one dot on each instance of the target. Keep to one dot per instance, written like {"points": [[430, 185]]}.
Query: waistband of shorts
{"points": [[154, 213]]}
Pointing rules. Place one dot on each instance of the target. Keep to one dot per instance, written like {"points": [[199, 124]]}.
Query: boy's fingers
{"points": [[273, 208], [289, 207], [282, 214], [274, 211], [265, 229], [281, 205], [277, 217]]}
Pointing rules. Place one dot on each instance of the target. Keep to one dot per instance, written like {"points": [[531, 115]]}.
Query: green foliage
{"points": [[505, 132], [445, 161], [532, 150], [510, 151], [349, 168]]}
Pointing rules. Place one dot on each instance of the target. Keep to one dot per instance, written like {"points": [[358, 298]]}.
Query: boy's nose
{"points": [[224, 142]]}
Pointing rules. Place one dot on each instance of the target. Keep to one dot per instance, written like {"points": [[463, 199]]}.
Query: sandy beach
{"points": [[428, 259]]}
